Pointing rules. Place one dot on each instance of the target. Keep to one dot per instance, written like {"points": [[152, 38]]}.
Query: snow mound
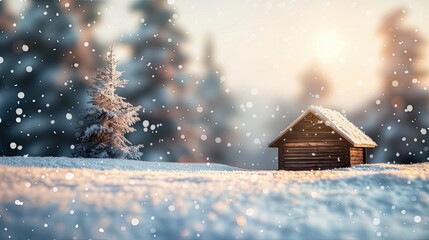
{"points": [[107, 163], [57, 202]]}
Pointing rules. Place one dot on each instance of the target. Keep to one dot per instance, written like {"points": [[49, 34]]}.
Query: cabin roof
{"points": [[337, 122]]}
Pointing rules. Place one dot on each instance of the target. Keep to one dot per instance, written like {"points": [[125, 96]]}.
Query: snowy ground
{"points": [[60, 198]]}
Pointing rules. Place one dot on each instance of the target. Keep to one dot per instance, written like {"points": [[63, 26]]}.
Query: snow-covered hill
{"points": [[107, 164], [61, 198]]}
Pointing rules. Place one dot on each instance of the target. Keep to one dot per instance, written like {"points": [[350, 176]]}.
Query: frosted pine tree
{"points": [[109, 118]]}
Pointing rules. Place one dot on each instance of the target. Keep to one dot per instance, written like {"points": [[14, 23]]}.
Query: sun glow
{"points": [[329, 46]]}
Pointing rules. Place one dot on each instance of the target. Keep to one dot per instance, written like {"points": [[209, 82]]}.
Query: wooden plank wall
{"points": [[315, 157], [357, 156], [313, 145]]}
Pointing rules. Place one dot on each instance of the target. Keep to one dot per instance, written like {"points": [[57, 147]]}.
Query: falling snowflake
{"points": [[376, 221], [69, 116], [171, 208], [135, 221], [18, 111], [417, 219], [69, 175]]}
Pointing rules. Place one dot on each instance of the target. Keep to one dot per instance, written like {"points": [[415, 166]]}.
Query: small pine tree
{"points": [[109, 118]]}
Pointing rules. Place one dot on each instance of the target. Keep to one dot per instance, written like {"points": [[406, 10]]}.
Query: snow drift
{"points": [[61, 198]]}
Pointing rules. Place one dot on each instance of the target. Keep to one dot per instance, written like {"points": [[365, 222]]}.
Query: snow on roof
{"points": [[338, 123]]}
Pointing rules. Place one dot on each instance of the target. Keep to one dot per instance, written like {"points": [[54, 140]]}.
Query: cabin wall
{"points": [[279, 160], [313, 145], [357, 156]]}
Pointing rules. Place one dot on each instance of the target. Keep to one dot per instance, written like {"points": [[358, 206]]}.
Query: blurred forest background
{"points": [[49, 52]]}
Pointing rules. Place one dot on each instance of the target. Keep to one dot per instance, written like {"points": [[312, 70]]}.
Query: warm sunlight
{"points": [[329, 46], [202, 119]]}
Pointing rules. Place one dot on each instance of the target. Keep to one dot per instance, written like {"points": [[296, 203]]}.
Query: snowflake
{"points": [[69, 175], [417, 219], [409, 108], [18, 111], [69, 116], [171, 208], [135, 221], [18, 202]]}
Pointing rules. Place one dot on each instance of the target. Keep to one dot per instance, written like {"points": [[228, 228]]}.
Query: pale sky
{"points": [[266, 45]]}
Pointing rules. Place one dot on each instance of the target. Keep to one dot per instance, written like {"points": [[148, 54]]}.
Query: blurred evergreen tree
{"points": [[402, 55], [214, 112], [87, 50], [160, 85], [87, 11], [6, 19], [7, 35], [399, 120], [45, 81]]}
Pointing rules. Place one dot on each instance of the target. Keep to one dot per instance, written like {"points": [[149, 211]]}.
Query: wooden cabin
{"points": [[321, 138]]}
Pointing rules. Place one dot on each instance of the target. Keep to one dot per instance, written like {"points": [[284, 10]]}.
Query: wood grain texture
{"points": [[312, 145]]}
